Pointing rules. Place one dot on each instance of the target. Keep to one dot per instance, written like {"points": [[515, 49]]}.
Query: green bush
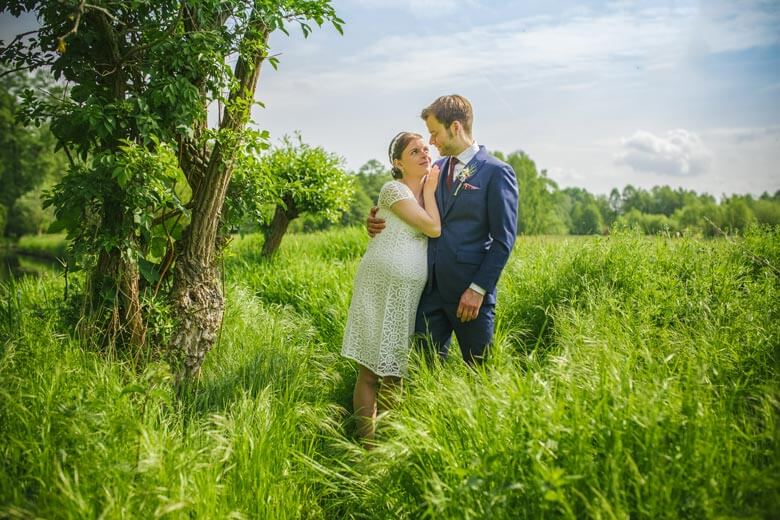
{"points": [[3, 218]]}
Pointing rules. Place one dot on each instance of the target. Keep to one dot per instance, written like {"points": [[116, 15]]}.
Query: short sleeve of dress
{"points": [[392, 192]]}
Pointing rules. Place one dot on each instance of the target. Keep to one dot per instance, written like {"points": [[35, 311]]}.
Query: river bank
{"points": [[31, 255]]}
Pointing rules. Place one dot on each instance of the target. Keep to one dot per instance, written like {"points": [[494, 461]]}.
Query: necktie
{"points": [[451, 173]]}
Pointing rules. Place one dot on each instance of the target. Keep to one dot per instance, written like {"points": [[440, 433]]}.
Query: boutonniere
{"points": [[464, 174]]}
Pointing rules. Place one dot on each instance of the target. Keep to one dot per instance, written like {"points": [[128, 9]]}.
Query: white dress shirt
{"points": [[464, 157]]}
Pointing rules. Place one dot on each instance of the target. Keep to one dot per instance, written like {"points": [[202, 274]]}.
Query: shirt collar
{"points": [[468, 154]]}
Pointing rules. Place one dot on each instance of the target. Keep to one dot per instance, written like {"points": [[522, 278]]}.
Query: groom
{"points": [[477, 198]]}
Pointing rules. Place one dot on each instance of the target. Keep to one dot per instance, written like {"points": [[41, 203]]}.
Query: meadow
{"points": [[631, 377]]}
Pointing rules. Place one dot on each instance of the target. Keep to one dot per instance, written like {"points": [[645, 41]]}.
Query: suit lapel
{"points": [[475, 164]]}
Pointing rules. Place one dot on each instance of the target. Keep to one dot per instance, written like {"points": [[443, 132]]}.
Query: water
{"points": [[17, 266]]}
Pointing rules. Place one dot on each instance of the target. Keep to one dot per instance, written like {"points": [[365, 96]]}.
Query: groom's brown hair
{"points": [[448, 109]]}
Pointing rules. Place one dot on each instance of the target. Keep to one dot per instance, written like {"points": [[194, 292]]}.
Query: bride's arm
{"points": [[426, 219]]}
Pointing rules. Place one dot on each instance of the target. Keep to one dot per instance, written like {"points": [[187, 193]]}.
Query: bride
{"points": [[390, 279]]}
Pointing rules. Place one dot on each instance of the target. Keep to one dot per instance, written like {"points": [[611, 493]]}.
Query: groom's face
{"points": [[441, 137]]}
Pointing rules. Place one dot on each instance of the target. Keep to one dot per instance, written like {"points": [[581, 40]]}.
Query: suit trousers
{"points": [[436, 321]]}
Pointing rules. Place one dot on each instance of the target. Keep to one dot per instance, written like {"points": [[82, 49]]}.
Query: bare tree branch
{"points": [[19, 37], [17, 69]]}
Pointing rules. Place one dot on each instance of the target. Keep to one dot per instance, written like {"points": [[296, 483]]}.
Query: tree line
{"points": [[298, 187], [545, 208]]}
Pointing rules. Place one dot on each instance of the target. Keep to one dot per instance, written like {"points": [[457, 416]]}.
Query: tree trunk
{"points": [[114, 275], [119, 278], [199, 305], [131, 302], [273, 237], [197, 294]]}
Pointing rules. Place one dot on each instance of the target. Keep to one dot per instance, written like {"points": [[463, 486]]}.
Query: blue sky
{"points": [[599, 94]]}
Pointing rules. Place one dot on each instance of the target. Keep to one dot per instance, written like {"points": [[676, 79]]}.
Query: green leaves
{"points": [[139, 182], [293, 176], [143, 75], [310, 177]]}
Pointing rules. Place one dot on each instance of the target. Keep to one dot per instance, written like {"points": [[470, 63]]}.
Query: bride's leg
{"points": [[364, 402], [389, 391]]}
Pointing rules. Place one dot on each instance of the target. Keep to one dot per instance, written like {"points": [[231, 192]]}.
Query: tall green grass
{"points": [[631, 377]]}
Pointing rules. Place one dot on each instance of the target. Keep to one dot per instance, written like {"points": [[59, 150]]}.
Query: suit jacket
{"points": [[479, 225]]}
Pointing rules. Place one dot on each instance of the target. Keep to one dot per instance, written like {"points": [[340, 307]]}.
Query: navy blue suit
{"points": [[479, 224]]}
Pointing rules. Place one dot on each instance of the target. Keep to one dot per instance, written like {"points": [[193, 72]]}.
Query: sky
{"points": [[599, 94]]}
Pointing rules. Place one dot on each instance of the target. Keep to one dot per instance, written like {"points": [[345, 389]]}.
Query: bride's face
{"points": [[415, 160]]}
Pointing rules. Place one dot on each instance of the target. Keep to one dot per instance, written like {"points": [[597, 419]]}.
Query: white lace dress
{"points": [[387, 289]]}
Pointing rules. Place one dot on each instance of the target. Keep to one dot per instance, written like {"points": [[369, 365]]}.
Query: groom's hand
{"points": [[374, 225], [468, 308]]}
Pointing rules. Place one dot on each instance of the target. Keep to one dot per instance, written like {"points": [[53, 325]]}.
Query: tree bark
{"points": [[121, 277], [197, 294], [273, 237]]}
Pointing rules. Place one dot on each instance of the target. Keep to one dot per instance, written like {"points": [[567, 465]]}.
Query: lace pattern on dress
{"points": [[386, 292]]}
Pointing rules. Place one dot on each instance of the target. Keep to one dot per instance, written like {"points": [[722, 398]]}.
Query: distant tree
{"points": [[712, 219], [636, 198], [586, 212], [631, 219], [767, 196], [767, 211], [656, 224], [615, 203], [537, 212], [648, 223], [369, 180], [27, 156], [28, 216], [689, 218], [308, 180], [737, 214], [372, 176], [587, 219], [628, 199], [607, 215], [359, 206]]}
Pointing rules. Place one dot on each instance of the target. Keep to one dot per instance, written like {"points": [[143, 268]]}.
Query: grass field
{"points": [[631, 377]]}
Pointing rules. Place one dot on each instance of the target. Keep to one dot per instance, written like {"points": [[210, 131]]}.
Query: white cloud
{"points": [[727, 26], [679, 153], [572, 50], [741, 135], [566, 176]]}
